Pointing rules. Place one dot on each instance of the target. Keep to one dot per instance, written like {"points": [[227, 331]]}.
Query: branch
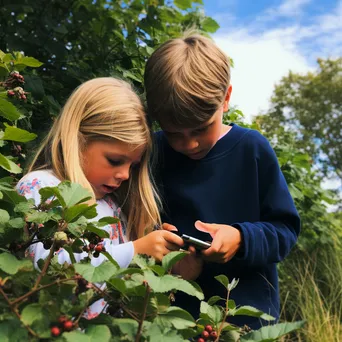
{"points": [[147, 295], [15, 311], [224, 318]]}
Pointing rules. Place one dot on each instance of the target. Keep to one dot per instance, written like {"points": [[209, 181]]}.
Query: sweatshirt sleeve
{"points": [[270, 239]]}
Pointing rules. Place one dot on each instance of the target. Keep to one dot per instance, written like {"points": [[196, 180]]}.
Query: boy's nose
{"points": [[190, 145]]}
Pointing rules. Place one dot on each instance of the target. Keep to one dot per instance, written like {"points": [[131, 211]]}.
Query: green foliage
{"points": [[311, 106]]}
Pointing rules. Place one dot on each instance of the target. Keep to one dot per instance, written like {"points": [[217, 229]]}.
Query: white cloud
{"points": [[263, 56], [260, 61]]}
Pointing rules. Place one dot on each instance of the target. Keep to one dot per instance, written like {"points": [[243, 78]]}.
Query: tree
{"points": [[311, 106]]}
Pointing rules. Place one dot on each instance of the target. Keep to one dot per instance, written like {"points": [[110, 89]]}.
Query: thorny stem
{"points": [[28, 294], [46, 265], [147, 295], [224, 318], [15, 311]]}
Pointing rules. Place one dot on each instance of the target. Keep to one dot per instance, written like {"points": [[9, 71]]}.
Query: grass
{"points": [[311, 289]]}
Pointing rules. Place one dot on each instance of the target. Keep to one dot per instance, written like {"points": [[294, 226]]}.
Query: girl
{"points": [[102, 141]]}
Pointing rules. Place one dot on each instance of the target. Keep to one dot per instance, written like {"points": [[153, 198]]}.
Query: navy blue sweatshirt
{"points": [[239, 183]]}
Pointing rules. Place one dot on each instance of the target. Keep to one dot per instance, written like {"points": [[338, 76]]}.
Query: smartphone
{"points": [[189, 240]]}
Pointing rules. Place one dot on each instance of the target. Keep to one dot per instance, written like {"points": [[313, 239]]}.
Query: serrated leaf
{"points": [[17, 134], [159, 270], [29, 61], [176, 317], [8, 165], [223, 280], [183, 4], [210, 25], [13, 331], [4, 216], [31, 313], [97, 333], [172, 258], [73, 213], [271, 333], [247, 310], [8, 110], [168, 282], [11, 265], [214, 299], [214, 313], [97, 274]]}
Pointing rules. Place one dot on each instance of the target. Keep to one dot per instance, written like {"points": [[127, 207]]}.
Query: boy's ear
{"points": [[227, 98]]}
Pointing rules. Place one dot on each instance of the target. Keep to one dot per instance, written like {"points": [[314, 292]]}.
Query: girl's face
{"points": [[107, 164]]}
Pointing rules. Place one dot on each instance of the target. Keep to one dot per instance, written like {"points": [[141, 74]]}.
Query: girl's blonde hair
{"points": [[104, 109], [186, 80]]}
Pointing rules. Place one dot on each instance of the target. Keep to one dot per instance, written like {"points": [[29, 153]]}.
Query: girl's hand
{"points": [[190, 267], [225, 244], [158, 244]]}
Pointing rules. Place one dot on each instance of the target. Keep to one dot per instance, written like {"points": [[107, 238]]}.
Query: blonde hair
{"points": [[104, 109], [186, 80]]}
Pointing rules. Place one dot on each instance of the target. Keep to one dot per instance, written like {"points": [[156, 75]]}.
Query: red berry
{"points": [[205, 334], [98, 248], [91, 246], [200, 340], [213, 335], [10, 93], [68, 325], [209, 328], [55, 331], [62, 319]]}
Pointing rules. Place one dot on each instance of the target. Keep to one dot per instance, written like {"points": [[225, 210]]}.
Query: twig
{"points": [[46, 265], [147, 295], [224, 318], [15, 311], [28, 294]]}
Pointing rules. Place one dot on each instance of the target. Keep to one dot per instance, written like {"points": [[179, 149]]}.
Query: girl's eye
{"points": [[114, 162]]}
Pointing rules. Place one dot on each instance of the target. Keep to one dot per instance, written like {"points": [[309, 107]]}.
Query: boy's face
{"points": [[195, 142]]}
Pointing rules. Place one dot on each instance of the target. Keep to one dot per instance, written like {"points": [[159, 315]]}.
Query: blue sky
{"points": [[267, 38]]}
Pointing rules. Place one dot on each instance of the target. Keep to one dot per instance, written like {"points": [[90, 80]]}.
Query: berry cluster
{"points": [[208, 334], [82, 286], [95, 244], [13, 85], [64, 324]]}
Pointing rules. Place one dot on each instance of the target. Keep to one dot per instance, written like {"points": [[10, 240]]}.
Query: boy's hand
{"points": [[158, 244], [190, 267], [226, 241]]}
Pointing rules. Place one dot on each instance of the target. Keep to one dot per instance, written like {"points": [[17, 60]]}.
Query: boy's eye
{"points": [[200, 130]]}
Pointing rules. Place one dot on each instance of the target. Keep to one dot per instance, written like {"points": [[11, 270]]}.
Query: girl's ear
{"points": [[227, 98]]}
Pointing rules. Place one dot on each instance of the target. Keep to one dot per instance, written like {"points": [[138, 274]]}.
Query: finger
{"points": [[169, 227], [173, 238], [171, 246], [212, 251], [206, 228], [192, 250]]}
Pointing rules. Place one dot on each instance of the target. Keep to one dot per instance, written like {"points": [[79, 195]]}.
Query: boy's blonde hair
{"points": [[104, 109], [186, 80]]}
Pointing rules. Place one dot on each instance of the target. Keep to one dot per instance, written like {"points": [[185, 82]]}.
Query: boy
{"points": [[218, 179]]}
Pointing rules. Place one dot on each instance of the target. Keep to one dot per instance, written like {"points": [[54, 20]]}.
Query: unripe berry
{"points": [[213, 335], [10, 93], [55, 331], [91, 246], [68, 325], [205, 334], [60, 236], [62, 319], [200, 340], [209, 328]]}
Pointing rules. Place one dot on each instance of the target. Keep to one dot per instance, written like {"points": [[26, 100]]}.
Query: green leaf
{"points": [[13, 331], [16, 134], [223, 280], [272, 332], [118, 284], [168, 282], [214, 299], [183, 4], [176, 317], [73, 213], [8, 110], [8, 165], [97, 274], [109, 220], [75, 336], [4, 217], [28, 61], [233, 284], [210, 25], [214, 312], [71, 254], [34, 85], [100, 232], [110, 258], [97, 333], [128, 327], [158, 270], [31, 313], [11, 265], [172, 258], [247, 310], [295, 192]]}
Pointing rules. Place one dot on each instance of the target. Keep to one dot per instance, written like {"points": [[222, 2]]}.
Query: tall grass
{"points": [[311, 289]]}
